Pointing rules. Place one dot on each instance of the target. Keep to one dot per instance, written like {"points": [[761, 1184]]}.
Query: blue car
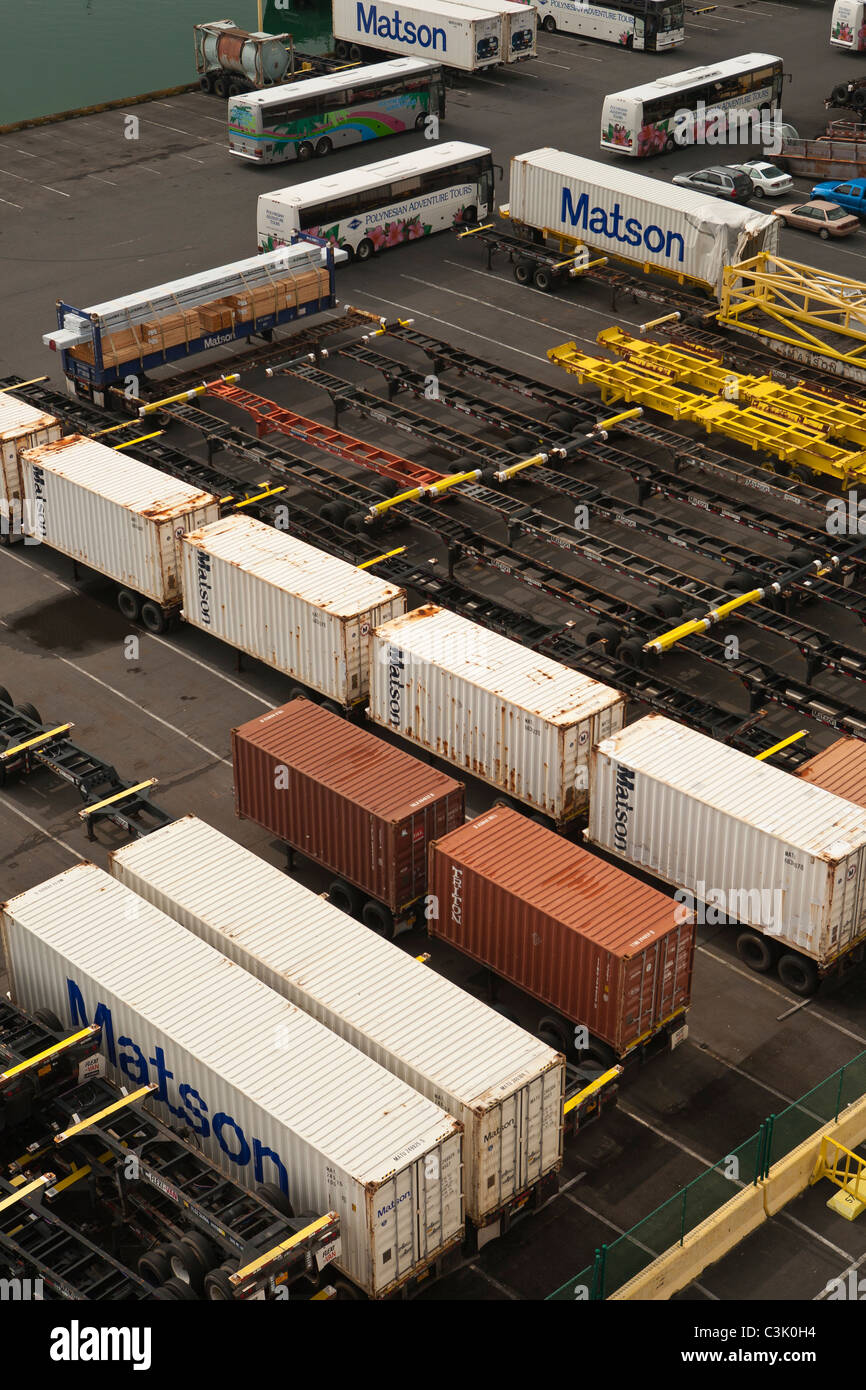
{"points": [[850, 194]]}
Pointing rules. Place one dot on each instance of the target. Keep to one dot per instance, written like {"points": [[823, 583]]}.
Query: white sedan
{"points": [[767, 180]]}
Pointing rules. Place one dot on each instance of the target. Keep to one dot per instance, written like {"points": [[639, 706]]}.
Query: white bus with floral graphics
{"points": [[650, 119], [380, 205]]}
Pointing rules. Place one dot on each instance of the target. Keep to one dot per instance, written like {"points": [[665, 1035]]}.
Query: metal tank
{"points": [[261, 58]]}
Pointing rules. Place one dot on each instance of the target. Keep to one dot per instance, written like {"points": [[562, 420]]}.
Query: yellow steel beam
{"points": [[657, 323], [713, 615], [34, 380], [34, 742], [25, 1191], [602, 427], [268, 492], [328, 1293], [777, 747], [365, 564], [320, 1224], [590, 1090], [817, 311], [112, 429], [103, 1114], [50, 1052], [470, 231], [153, 406], [142, 438], [118, 796]]}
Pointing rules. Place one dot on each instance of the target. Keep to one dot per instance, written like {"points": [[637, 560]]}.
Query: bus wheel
{"points": [[365, 250], [304, 151], [798, 974], [755, 952], [324, 146], [549, 24], [670, 144], [470, 214], [523, 272], [421, 120]]}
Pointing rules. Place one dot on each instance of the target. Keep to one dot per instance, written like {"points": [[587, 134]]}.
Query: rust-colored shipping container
{"points": [[840, 769], [577, 933], [346, 799]]}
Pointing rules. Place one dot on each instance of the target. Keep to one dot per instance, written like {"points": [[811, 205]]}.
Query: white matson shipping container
{"points": [[519, 26], [114, 514], [306, 613], [492, 707], [505, 1086], [654, 225], [455, 35], [22, 426], [768, 850], [268, 1092]]}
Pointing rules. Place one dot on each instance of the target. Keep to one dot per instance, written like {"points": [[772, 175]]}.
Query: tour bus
{"points": [[848, 25], [642, 120], [648, 25], [321, 114], [384, 204]]}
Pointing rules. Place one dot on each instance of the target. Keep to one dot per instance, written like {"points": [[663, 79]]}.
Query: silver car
{"points": [[768, 181]]}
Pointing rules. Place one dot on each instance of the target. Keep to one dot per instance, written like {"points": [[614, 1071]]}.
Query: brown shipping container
{"points": [[576, 932], [364, 809], [840, 769]]}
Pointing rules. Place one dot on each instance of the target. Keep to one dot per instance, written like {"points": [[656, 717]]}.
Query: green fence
{"points": [[615, 1264]]}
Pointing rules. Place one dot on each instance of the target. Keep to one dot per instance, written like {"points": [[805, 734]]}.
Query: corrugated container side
{"points": [[491, 707], [113, 514], [576, 933], [344, 798], [840, 769], [762, 846], [22, 426], [296, 608], [271, 1094], [503, 1084], [636, 218], [449, 33]]}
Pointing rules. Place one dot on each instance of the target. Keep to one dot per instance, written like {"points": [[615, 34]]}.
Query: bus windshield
{"points": [[646, 25], [320, 114]]}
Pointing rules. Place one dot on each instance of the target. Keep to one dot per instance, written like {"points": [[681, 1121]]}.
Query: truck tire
{"points": [[738, 583], [176, 1290], [544, 279], [221, 85], [523, 271], [798, 974], [858, 98], [48, 1019], [378, 918], [631, 653], [551, 1031], [332, 708], [154, 1267], [755, 951], [335, 512], [298, 693], [129, 604], [200, 1255], [667, 606], [153, 618], [563, 420], [345, 1290], [345, 897], [341, 49], [205, 82], [278, 1199], [839, 94], [218, 1286], [29, 712], [237, 88], [355, 53]]}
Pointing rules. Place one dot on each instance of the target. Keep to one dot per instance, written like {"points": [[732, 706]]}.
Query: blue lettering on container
{"points": [[608, 223], [369, 21], [136, 1064]]}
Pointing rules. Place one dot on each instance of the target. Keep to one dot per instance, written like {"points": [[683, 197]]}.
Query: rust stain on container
{"points": [[346, 799], [840, 769], [575, 932]]}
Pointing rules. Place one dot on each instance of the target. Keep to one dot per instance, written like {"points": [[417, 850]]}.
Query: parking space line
{"points": [[10, 175], [148, 120], [551, 328], [10, 806], [151, 636], [485, 337], [503, 1288], [491, 275], [851, 1269], [100, 179], [19, 206], [655, 1254], [55, 190], [668, 1138], [764, 984], [816, 1235], [28, 154]]}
